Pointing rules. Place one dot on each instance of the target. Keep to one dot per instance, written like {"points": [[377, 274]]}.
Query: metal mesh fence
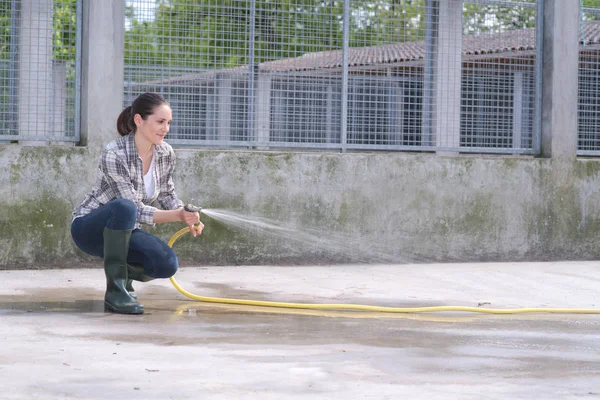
{"points": [[589, 83], [499, 75], [360, 74], [38, 64]]}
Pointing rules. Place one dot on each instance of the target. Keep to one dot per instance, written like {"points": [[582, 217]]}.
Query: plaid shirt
{"points": [[121, 177]]}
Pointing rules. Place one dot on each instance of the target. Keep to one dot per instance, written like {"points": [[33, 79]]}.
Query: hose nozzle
{"points": [[192, 208]]}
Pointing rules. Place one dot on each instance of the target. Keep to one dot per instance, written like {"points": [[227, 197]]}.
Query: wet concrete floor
{"points": [[58, 343]]}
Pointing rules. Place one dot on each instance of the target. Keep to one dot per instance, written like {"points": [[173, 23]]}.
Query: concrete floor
{"points": [[57, 343]]}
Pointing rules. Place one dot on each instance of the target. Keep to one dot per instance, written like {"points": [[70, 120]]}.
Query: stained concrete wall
{"points": [[367, 207], [411, 207]]}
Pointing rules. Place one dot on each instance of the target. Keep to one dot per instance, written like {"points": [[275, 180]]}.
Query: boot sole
{"points": [[109, 308]]}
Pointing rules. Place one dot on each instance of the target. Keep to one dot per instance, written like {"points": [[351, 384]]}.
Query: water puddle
{"points": [[77, 306], [71, 300]]}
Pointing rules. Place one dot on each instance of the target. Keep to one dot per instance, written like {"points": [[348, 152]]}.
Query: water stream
{"points": [[350, 247]]}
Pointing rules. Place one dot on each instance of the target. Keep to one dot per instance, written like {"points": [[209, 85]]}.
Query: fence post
{"points": [[102, 58], [35, 71], [345, 76], [447, 76], [253, 71], [432, 20], [223, 94], [560, 77]]}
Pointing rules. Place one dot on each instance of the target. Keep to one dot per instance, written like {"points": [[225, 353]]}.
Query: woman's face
{"points": [[156, 126]]}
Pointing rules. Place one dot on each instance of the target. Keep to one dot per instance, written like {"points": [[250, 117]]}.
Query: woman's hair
{"points": [[145, 104]]}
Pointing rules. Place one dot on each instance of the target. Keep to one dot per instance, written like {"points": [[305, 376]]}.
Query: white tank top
{"points": [[149, 181]]}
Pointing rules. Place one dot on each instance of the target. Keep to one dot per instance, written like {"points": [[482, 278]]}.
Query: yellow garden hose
{"points": [[359, 307]]}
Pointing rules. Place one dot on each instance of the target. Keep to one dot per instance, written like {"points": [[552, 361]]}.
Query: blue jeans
{"points": [[158, 259]]}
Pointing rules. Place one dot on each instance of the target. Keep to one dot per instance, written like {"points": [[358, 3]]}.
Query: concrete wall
{"points": [[413, 208], [366, 207]]}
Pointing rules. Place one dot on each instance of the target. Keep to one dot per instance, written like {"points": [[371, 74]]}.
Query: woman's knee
{"points": [[167, 268], [123, 214], [159, 260]]}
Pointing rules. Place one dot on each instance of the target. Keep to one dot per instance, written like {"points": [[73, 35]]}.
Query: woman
{"points": [[135, 178]]}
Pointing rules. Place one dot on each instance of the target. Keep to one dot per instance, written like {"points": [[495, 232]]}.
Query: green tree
{"points": [[215, 34], [593, 5], [478, 18], [376, 22], [5, 25], [63, 29]]}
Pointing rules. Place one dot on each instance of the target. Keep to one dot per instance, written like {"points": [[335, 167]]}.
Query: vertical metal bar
{"points": [[331, 124], [14, 67], [78, 37], [430, 42], [345, 78], [517, 131], [582, 22], [539, 54], [252, 71]]}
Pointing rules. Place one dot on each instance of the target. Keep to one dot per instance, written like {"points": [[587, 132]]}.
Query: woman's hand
{"points": [[192, 219]]}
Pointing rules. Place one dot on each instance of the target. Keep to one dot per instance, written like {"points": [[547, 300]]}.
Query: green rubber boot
{"points": [[135, 272], [117, 299], [129, 287]]}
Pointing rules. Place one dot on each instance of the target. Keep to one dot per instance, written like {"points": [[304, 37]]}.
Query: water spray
{"points": [[360, 307]]}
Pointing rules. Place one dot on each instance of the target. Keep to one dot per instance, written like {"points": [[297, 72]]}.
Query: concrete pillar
{"points": [[59, 97], [447, 74], [333, 132], [103, 38], [518, 107], [35, 71], [560, 79], [263, 108], [224, 91]]}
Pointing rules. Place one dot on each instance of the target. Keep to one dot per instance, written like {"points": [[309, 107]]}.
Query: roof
{"points": [[514, 41], [520, 40]]}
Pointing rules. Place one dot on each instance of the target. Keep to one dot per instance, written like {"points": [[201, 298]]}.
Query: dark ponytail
{"points": [[123, 124], [144, 104]]}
